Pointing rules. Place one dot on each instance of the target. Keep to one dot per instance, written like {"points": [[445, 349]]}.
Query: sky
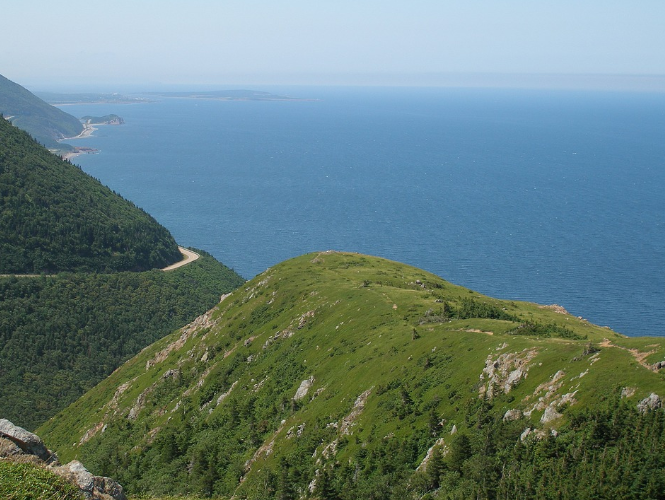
{"points": [[326, 42]]}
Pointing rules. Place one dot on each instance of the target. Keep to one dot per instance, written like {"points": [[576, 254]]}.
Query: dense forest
{"points": [[610, 452], [54, 217], [61, 335], [46, 123]]}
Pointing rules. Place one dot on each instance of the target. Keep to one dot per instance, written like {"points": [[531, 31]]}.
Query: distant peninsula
{"points": [[60, 99], [228, 95], [102, 120]]}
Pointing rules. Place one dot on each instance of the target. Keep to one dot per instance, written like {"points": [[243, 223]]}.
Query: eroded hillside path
{"points": [[638, 355], [188, 258]]}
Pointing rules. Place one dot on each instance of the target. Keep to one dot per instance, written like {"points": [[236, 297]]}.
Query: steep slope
{"points": [[61, 335], [54, 217], [46, 123], [338, 375]]}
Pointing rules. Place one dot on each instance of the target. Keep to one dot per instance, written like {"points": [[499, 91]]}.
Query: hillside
{"points": [[46, 123], [338, 375], [54, 217], [61, 335]]}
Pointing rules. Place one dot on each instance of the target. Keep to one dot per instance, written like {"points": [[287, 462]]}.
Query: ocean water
{"points": [[546, 196]]}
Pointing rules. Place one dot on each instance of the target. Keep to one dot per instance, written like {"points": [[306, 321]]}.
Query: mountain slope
{"points": [[61, 335], [46, 123], [54, 217], [338, 375]]}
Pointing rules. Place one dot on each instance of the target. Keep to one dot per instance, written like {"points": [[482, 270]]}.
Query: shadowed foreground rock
{"points": [[20, 445]]}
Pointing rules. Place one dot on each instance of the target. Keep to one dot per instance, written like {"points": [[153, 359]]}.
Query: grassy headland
{"points": [[338, 375]]}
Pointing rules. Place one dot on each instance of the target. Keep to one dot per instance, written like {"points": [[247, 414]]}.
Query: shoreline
{"points": [[87, 131], [79, 151]]}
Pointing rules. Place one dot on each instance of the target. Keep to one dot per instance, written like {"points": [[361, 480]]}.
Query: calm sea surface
{"points": [[551, 197]]}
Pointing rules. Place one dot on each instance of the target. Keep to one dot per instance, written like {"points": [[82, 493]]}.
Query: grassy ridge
{"points": [[400, 364]]}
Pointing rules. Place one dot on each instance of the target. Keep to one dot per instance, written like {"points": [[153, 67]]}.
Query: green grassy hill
{"points": [[54, 217], [46, 123], [338, 375]]}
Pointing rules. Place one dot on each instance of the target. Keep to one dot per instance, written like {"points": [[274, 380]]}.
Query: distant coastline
{"points": [[90, 124], [228, 95]]}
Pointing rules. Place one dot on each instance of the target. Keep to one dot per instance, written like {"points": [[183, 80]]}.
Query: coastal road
{"points": [[189, 257]]}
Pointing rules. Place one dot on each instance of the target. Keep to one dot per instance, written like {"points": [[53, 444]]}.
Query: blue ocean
{"points": [[555, 197]]}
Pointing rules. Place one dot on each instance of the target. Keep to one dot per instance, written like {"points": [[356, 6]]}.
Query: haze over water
{"points": [[546, 196]]}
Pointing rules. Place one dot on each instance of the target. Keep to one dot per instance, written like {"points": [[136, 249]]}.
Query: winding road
{"points": [[189, 257]]}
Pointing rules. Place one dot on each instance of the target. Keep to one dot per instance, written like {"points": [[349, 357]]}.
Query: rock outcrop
{"points": [[18, 444], [652, 402], [28, 442]]}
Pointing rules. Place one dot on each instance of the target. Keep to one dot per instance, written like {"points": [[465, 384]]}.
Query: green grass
{"points": [[25, 481], [354, 323]]}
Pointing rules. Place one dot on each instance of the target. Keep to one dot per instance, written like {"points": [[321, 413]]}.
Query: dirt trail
{"points": [[639, 356]]}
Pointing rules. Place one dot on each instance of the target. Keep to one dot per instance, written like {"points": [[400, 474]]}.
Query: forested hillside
{"points": [[343, 376], [64, 331], [61, 335], [46, 123], [54, 217]]}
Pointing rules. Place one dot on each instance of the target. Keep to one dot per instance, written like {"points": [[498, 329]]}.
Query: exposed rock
{"points": [[440, 443], [27, 441], [138, 405], [293, 432], [9, 448], [226, 394], [304, 319], [511, 415], [628, 392], [653, 402], [93, 487], [303, 389], [549, 415], [550, 399], [265, 449], [525, 434], [172, 373], [90, 433], [534, 433], [358, 407], [453, 430], [330, 450], [556, 308], [202, 322], [505, 372]]}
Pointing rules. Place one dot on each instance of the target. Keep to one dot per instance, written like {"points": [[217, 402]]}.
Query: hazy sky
{"points": [[324, 41]]}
